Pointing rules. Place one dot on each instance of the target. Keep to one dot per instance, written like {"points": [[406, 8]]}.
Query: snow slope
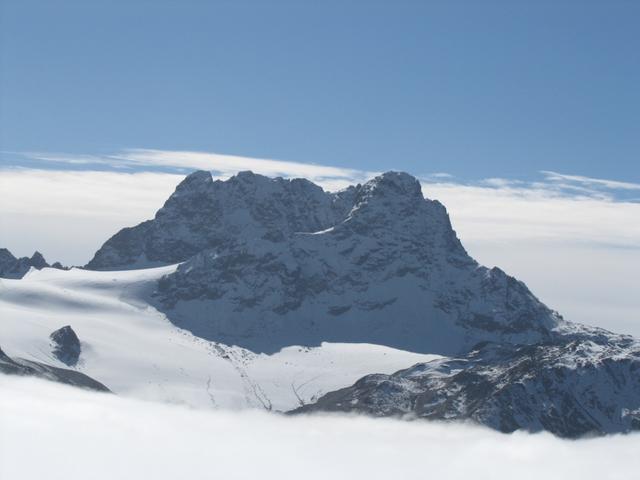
{"points": [[135, 351]]}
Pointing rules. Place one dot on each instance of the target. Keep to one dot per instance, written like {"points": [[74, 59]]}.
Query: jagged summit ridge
{"points": [[203, 213], [398, 184]]}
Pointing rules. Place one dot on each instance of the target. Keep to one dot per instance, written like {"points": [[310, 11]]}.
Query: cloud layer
{"points": [[57, 432]]}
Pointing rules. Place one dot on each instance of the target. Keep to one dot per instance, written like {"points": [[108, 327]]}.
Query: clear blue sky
{"points": [[476, 89]]}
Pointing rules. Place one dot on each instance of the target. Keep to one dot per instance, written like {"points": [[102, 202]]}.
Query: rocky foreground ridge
{"points": [[580, 383], [29, 368]]}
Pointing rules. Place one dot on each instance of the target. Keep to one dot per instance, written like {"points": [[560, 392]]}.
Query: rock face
{"points": [[20, 366], [582, 382], [66, 345], [12, 267]]}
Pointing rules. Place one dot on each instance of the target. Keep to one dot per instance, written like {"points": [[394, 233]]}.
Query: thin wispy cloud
{"points": [[331, 177], [222, 165], [610, 184], [437, 176], [532, 212]]}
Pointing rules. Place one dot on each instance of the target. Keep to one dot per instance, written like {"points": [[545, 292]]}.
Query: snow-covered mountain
{"points": [[272, 293], [273, 262]]}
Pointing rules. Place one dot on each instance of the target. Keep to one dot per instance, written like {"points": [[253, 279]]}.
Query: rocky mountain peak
{"points": [[38, 261], [248, 176], [392, 194], [392, 183], [199, 177], [195, 184], [12, 267]]}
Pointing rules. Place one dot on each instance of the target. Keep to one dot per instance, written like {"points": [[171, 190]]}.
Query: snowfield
{"points": [[57, 432], [136, 352]]}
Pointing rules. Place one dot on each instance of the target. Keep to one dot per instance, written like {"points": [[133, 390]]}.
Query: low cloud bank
{"points": [[56, 432]]}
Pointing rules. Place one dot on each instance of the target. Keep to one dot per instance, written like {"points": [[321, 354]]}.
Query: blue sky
{"points": [[474, 89]]}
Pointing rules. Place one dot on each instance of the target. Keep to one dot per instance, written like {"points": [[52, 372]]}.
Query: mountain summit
{"points": [[272, 262]]}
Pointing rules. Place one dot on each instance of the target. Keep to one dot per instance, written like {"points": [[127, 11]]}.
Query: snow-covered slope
{"points": [[135, 351]]}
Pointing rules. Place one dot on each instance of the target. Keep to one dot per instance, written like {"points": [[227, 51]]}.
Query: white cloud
{"points": [[223, 165], [503, 212], [437, 176], [84, 193], [67, 215], [612, 184], [56, 432]]}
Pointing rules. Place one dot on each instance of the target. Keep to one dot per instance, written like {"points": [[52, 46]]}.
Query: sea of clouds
{"points": [[58, 432]]}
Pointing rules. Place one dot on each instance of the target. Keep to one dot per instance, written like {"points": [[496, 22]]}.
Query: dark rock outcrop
{"points": [[14, 268], [66, 345], [19, 366]]}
